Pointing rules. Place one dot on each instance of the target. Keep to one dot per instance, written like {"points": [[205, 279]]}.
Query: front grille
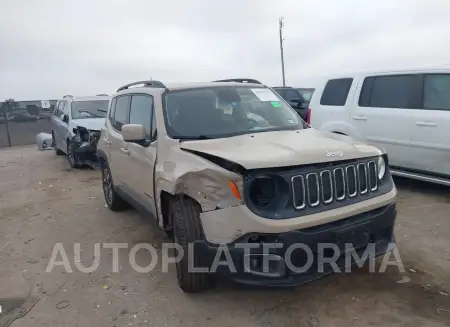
{"points": [[328, 186]]}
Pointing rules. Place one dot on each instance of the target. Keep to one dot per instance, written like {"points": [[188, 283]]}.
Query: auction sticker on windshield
{"points": [[265, 94]]}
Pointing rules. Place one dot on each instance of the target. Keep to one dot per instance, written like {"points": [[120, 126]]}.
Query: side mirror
{"points": [[133, 133], [64, 118]]}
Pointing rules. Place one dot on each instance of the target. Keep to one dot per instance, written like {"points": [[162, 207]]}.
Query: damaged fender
{"points": [[200, 179]]}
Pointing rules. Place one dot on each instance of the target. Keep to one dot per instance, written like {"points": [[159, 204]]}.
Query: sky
{"points": [[50, 48]]}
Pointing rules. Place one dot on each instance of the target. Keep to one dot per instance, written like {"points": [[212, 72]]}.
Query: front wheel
{"points": [[185, 214], [71, 156]]}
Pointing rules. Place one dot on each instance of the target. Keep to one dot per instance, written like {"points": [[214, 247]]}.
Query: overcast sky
{"points": [[54, 47]]}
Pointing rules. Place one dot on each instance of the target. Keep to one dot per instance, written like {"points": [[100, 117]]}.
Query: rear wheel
{"points": [[112, 199], [185, 214]]}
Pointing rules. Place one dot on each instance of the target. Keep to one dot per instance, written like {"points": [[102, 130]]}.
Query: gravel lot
{"points": [[42, 202]]}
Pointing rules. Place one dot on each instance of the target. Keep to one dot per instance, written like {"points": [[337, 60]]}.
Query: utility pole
{"points": [[281, 23]]}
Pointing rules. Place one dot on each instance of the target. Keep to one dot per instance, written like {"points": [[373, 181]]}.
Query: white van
{"points": [[405, 112]]}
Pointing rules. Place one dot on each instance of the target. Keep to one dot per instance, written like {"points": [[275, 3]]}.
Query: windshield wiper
{"points": [[193, 138], [90, 113]]}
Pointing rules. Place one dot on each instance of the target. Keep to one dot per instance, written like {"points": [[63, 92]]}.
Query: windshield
{"points": [[89, 109], [307, 94], [226, 111]]}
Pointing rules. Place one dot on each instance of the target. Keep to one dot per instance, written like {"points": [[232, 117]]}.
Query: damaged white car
{"points": [[76, 125]]}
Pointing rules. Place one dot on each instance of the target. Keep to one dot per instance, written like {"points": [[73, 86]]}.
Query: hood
{"points": [[283, 148], [94, 124]]}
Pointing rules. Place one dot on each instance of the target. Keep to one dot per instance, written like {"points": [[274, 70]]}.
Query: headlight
{"points": [[381, 167], [263, 191], [267, 191]]}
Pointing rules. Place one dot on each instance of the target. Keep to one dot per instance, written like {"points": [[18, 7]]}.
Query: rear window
{"points": [[336, 92], [393, 91]]}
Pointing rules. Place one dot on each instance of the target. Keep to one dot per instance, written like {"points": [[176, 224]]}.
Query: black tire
{"points": [[70, 157], [185, 214], [112, 199], [57, 151]]}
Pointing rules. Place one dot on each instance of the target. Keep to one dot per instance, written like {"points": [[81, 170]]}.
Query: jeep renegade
{"points": [[228, 163]]}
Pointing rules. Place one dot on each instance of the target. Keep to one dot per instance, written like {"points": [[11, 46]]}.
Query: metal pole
{"points": [[6, 124], [281, 49]]}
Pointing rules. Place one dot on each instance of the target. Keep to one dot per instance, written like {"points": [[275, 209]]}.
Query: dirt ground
{"points": [[42, 202]]}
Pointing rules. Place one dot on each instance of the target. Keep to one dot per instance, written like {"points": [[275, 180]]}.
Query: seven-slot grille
{"points": [[328, 185]]}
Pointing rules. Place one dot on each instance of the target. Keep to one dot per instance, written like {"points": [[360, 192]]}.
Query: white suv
{"points": [[76, 124], [405, 112]]}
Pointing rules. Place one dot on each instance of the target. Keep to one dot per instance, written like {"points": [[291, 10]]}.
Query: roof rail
{"points": [[68, 96], [102, 95], [282, 87], [157, 84], [240, 80]]}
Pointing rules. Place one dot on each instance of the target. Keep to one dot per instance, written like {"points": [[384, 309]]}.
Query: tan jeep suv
{"points": [[231, 171]]}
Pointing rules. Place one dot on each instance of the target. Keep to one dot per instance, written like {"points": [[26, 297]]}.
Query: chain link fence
{"points": [[20, 127]]}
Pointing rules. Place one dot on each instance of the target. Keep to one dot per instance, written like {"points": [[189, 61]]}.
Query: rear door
{"points": [[64, 125], [383, 114], [58, 125], [54, 119], [430, 136], [119, 152], [105, 131]]}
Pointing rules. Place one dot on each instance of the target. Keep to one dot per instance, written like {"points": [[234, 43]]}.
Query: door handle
{"points": [[107, 141], [359, 117], [126, 151], [428, 124]]}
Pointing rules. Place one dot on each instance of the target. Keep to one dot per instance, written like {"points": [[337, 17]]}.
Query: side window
{"points": [[141, 112], [281, 93], [121, 114], [391, 91], [436, 92], [61, 108], [366, 92], [336, 91], [55, 109], [67, 108], [111, 110], [292, 95]]}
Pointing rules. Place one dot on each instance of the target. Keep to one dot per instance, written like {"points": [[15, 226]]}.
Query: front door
{"points": [[142, 156], [382, 116], [430, 137]]}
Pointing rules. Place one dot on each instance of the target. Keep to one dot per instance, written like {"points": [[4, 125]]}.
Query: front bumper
{"points": [[288, 263], [85, 153]]}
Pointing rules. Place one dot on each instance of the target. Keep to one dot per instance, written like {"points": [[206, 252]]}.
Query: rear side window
{"points": [[393, 91], [112, 110], [436, 92], [121, 114], [336, 92]]}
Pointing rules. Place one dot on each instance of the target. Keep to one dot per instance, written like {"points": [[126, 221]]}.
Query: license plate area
{"points": [[358, 237]]}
